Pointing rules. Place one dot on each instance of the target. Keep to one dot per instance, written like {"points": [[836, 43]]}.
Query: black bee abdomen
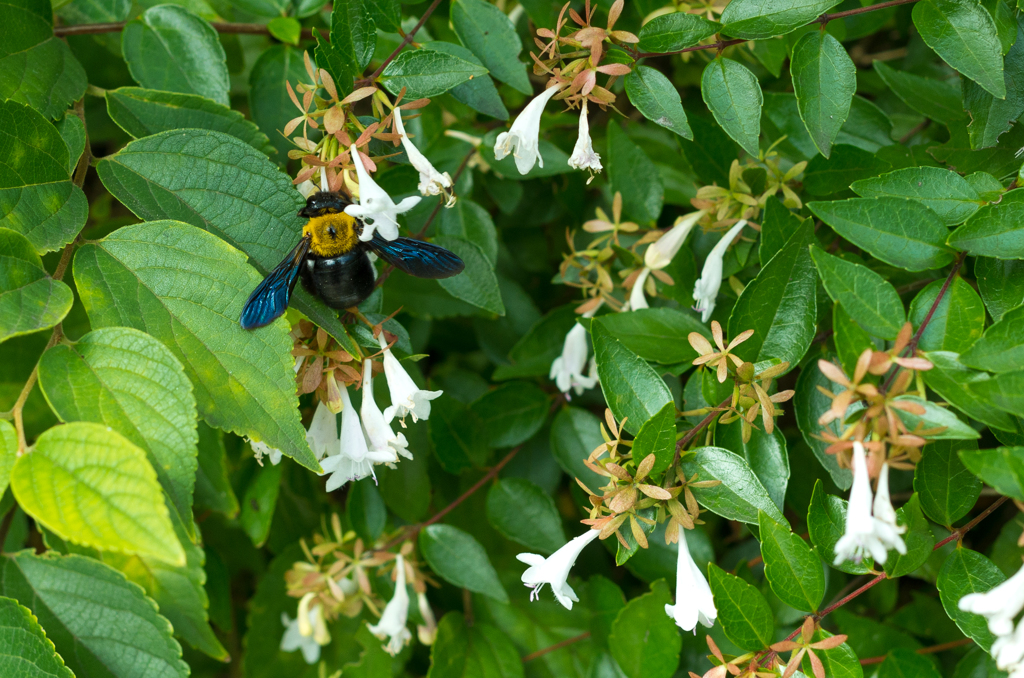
{"points": [[341, 282]]}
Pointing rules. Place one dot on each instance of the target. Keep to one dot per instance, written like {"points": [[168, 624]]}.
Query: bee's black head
{"points": [[324, 202]]}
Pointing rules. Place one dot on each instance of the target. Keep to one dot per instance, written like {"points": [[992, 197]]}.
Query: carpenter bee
{"points": [[333, 263]]}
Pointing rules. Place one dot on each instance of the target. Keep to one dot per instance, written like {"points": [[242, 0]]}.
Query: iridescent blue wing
{"points": [[418, 258], [270, 298]]}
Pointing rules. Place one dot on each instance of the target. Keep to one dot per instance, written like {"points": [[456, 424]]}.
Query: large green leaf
{"points": [[955, 382], [37, 198], [918, 539], [903, 233], [790, 566], [937, 99], [101, 624], [965, 572], [658, 437], [30, 300], [511, 413], [675, 31], [869, 298], [187, 288], [477, 284], [946, 425], [1001, 348], [269, 104], [1005, 391], [219, 183], [847, 164], [644, 640], [780, 304], [994, 230], [632, 174], [654, 95], [110, 498], [1001, 283], [1002, 468], [944, 192], [575, 433], [902, 662], [142, 112], [743, 612], [765, 453], [732, 93], [354, 32], [129, 381], [168, 48], [633, 390], [964, 35], [479, 93], [524, 513], [489, 34], [755, 19], [992, 116], [739, 496], [26, 652], [825, 80], [656, 334], [425, 73], [947, 489], [957, 320], [464, 651], [459, 559]]}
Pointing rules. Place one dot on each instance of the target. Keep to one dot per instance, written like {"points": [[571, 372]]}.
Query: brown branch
{"points": [[706, 421], [405, 41], [219, 26], [924, 650], [556, 646], [722, 44], [825, 18]]}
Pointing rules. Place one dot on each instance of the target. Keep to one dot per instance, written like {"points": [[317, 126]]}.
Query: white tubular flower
{"points": [[396, 614], [861, 537], [428, 632], [432, 182], [261, 449], [379, 434], [555, 568], [406, 396], [637, 300], [307, 632], [661, 252], [999, 605], [694, 602], [705, 292], [322, 436], [522, 139], [1008, 651], [376, 208], [353, 459], [889, 530], [567, 369], [583, 155]]}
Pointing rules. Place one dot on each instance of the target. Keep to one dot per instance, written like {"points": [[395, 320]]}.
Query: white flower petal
{"points": [[664, 249], [637, 300], [406, 397], [376, 208], [705, 291], [554, 569], [396, 614], [583, 155], [694, 602], [522, 139]]}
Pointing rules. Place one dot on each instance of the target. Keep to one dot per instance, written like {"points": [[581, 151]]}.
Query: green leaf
{"points": [[869, 298], [526, 514], [129, 381], [354, 32], [777, 226], [964, 35], [575, 433], [655, 334], [1005, 391], [97, 620], [366, 509], [765, 453], [675, 31], [1001, 283], [37, 68], [186, 287], [30, 300], [935, 417], [918, 539], [112, 499], [26, 651], [790, 566], [644, 640], [633, 390], [605, 601], [756, 19], [426, 73], [1002, 468], [849, 338], [991, 116], [269, 104], [37, 198], [168, 48], [72, 131], [944, 192], [825, 80], [956, 383], [780, 304], [254, 207], [810, 404], [489, 34], [8, 453], [710, 151], [511, 414], [657, 98], [732, 93], [286, 29], [480, 94], [902, 663], [457, 436], [948, 491], [743, 612], [826, 524], [386, 14], [739, 496], [847, 163], [839, 662], [1001, 348], [470, 221], [632, 174], [957, 321], [658, 437], [259, 502], [994, 230], [264, 8], [460, 560], [533, 354], [903, 233], [936, 99], [964, 572], [477, 285], [464, 651], [213, 486], [142, 112]]}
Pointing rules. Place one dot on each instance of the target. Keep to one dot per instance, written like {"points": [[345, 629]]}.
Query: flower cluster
{"points": [[1000, 606]]}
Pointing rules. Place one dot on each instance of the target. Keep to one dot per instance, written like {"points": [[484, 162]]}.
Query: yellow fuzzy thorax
{"points": [[331, 234]]}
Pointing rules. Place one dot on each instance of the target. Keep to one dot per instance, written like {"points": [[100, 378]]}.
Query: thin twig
{"points": [[825, 18], [219, 26], [405, 41], [720, 45], [959, 532], [556, 646], [706, 421], [924, 650]]}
